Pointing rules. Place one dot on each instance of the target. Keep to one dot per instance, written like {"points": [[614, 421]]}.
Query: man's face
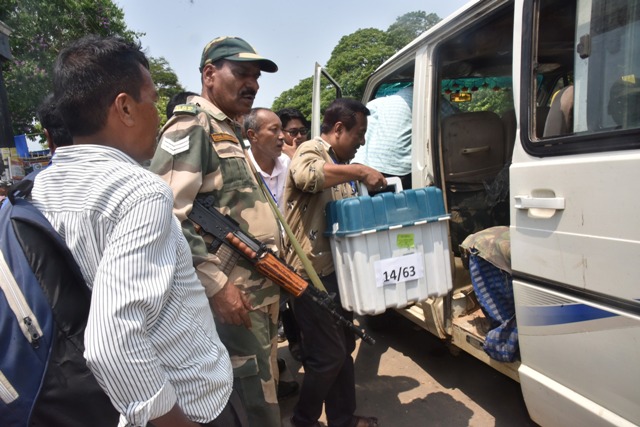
{"points": [[232, 87], [147, 121], [292, 133], [348, 141], [268, 139]]}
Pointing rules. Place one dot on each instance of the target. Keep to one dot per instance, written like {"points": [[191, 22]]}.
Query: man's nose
{"points": [[253, 83]]}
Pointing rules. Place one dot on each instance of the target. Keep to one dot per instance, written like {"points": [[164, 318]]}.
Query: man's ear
{"points": [[338, 128], [251, 135], [208, 73], [50, 143], [125, 108]]}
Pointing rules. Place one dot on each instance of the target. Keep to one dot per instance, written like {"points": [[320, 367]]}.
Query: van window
{"points": [[485, 93], [586, 56]]}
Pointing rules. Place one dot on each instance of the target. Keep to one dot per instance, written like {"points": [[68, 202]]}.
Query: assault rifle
{"points": [[224, 230]]}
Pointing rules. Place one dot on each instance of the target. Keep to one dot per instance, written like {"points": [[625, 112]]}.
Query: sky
{"points": [[295, 34]]}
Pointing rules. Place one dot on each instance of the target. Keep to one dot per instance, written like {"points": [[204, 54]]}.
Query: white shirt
{"points": [[150, 338], [275, 181]]}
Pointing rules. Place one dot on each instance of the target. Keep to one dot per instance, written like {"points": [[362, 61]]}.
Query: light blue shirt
{"points": [[388, 138]]}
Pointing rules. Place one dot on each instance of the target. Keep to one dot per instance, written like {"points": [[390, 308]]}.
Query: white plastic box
{"points": [[390, 250]]}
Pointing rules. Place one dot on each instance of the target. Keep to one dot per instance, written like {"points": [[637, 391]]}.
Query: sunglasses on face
{"points": [[296, 131]]}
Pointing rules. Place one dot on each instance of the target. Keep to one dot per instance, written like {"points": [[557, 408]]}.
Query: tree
{"points": [[356, 56], [164, 77], [41, 29], [166, 82], [297, 97], [409, 26]]}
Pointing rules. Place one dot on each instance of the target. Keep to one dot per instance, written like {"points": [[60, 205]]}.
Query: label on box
{"points": [[399, 269], [405, 241]]}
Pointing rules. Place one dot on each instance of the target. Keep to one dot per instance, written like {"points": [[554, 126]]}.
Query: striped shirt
{"points": [[150, 339]]}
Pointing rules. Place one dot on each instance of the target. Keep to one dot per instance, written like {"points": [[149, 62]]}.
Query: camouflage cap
{"points": [[234, 49]]}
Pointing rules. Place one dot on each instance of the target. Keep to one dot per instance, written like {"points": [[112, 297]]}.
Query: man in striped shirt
{"points": [[150, 340]]}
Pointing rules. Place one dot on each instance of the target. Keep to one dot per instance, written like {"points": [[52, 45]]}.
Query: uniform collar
{"points": [[210, 108]]}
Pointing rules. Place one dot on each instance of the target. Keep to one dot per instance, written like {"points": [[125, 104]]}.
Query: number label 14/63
{"points": [[399, 269]]}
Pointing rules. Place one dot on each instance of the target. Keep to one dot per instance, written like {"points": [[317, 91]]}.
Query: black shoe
{"points": [[287, 389]]}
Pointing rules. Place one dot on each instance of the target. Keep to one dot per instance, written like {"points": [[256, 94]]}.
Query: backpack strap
{"points": [[22, 189]]}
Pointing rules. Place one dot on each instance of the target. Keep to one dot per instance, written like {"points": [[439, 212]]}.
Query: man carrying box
{"points": [[320, 173]]}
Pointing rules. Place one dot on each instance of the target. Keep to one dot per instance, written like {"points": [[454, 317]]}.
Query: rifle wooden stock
{"points": [[279, 273], [272, 268]]}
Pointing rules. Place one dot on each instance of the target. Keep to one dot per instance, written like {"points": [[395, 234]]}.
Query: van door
{"points": [[317, 103], [575, 234]]}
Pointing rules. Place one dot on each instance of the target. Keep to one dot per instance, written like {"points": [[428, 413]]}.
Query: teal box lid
{"points": [[382, 211]]}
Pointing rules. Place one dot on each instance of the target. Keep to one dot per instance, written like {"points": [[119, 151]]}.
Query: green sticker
{"points": [[405, 241]]}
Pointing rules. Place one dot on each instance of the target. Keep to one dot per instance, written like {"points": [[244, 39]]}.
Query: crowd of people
{"points": [[178, 336]]}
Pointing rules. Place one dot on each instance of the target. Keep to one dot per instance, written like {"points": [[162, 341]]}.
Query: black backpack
{"points": [[44, 305]]}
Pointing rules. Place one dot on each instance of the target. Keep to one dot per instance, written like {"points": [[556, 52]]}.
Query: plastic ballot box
{"points": [[390, 249]]}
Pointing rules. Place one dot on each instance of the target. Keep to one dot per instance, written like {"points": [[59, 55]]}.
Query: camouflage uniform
{"points": [[200, 153]]}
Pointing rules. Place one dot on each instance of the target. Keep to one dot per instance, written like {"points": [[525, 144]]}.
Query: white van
{"points": [[526, 114]]}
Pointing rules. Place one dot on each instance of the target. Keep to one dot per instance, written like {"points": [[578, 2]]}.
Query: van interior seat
{"points": [[560, 118], [473, 147], [542, 112]]}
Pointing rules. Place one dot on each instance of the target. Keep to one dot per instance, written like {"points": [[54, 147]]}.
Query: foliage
{"points": [[355, 57], [486, 99], [166, 82], [409, 26], [298, 97], [164, 77], [41, 29]]}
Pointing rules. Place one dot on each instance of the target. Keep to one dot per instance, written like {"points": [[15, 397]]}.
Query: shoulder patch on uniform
{"points": [[185, 109], [174, 147], [223, 136]]}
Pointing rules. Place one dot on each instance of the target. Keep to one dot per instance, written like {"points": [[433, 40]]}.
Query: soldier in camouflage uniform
{"points": [[200, 153], [319, 173]]}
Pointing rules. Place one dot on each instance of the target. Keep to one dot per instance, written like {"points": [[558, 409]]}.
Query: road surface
{"points": [[410, 378]]}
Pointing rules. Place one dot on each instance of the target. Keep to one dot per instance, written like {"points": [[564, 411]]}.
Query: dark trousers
{"points": [[328, 365], [233, 415], [289, 323]]}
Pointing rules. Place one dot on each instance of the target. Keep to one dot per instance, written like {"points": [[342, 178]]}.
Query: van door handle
{"points": [[528, 202], [473, 150]]}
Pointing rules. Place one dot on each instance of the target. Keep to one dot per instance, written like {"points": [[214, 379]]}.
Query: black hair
{"points": [[177, 99], [288, 114], [50, 119], [342, 110], [89, 74]]}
